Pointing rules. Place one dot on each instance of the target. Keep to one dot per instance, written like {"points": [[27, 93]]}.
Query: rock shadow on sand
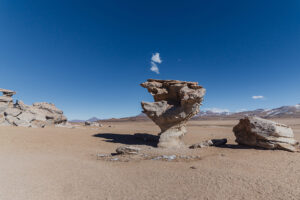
{"points": [[238, 146], [129, 139]]}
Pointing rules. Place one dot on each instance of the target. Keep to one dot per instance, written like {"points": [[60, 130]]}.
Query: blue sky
{"points": [[89, 57]]}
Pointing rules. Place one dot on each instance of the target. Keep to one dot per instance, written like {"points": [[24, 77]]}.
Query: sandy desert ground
{"points": [[62, 164]]}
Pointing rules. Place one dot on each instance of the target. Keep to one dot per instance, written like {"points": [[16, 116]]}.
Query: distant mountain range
{"points": [[281, 112], [93, 119]]}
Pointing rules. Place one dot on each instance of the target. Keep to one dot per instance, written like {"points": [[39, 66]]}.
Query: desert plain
{"points": [[63, 164]]}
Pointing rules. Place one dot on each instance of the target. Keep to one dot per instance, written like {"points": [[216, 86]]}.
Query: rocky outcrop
{"points": [[175, 103], [18, 114], [258, 132]]}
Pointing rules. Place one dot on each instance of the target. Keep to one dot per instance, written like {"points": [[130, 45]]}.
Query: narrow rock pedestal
{"points": [[175, 103]]}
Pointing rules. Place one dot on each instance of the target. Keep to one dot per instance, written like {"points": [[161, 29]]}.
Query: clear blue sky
{"points": [[88, 57]]}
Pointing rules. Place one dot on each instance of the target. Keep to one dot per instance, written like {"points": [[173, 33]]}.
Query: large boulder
{"points": [[175, 103], [12, 111], [50, 107], [3, 106], [5, 99], [52, 114], [26, 116], [258, 132]]}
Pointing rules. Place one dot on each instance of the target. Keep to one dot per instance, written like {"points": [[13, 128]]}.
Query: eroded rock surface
{"points": [[127, 150], [175, 103], [208, 143], [19, 114], [95, 124], [255, 131]]}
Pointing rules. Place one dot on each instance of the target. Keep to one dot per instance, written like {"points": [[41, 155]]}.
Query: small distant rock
{"points": [[171, 157], [157, 158], [65, 125], [127, 150], [207, 143], [102, 155], [95, 124]]}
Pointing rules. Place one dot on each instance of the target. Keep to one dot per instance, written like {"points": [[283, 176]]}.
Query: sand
{"points": [[62, 163]]}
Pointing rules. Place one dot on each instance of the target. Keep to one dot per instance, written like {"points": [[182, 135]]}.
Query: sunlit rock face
{"points": [[258, 132], [175, 103], [18, 114]]}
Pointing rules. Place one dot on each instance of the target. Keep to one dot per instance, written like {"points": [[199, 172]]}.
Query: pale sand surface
{"points": [[61, 163]]}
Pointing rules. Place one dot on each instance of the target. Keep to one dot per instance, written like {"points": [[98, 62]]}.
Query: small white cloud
{"points": [[217, 110], [258, 97], [154, 67], [154, 61], [156, 58]]}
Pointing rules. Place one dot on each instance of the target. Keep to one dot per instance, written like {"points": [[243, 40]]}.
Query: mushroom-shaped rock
{"points": [[255, 131], [175, 103], [8, 93]]}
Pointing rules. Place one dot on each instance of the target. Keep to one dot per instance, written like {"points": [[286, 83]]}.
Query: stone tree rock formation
{"points": [[19, 114], [255, 131], [175, 103]]}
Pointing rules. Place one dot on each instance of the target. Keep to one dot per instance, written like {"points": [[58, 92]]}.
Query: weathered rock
{"points": [[3, 106], [22, 123], [2, 118], [39, 113], [258, 132], [5, 99], [48, 112], [127, 150], [8, 93], [96, 124], [19, 114], [55, 118], [26, 116], [20, 105], [12, 111], [38, 124], [11, 120], [175, 103], [65, 125], [48, 106], [207, 143], [4, 123]]}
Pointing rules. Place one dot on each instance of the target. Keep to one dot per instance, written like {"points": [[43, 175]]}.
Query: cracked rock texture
{"points": [[255, 131], [18, 114], [175, 103]]}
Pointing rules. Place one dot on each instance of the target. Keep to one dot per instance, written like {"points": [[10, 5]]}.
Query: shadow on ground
{"points": [[129, 139], [237, 146]]}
